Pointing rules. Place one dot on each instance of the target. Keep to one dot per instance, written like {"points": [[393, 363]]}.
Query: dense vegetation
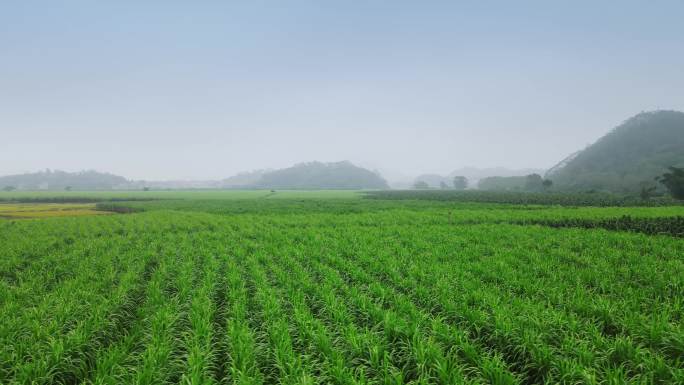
{"points": [[628, 158], [433, 180], [253, 288], [523, 198], [673, 180], [660, 225], [61, 180], [471, 175], [529, 183], [502, 183]]}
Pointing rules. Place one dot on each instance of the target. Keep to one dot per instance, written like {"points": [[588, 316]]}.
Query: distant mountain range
{"points": [[304, 176], [311, 175], [625, 160], [91, 180]]}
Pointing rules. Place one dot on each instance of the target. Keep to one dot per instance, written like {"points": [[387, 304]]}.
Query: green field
{"points": [[324, 287]]}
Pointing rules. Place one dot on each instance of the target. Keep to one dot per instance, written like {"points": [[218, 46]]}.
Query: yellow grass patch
{"points": [[47, 210]]}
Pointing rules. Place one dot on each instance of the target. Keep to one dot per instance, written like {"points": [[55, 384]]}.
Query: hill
{"points": [[628, 157], [321, 176], [61, 180]]}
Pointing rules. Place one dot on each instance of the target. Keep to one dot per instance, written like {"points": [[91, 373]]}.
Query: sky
{"points": [[205, 89]]}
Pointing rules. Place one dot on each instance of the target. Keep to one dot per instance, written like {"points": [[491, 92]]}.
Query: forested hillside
{"points": [[628, 158], [317, 175]]}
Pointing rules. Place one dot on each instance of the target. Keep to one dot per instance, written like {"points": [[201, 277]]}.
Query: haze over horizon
{"points": [[177, 90]]}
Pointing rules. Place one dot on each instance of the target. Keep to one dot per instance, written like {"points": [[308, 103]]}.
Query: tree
{"points": [[67, 188], [443, 185], [547, 183], [674, 181], [647, 191], [9, 188], [460, 182], [534, 182], [420, 185], [146, 189]]}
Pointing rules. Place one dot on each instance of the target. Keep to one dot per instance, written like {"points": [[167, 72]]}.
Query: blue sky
{"points": [[205, 89]]}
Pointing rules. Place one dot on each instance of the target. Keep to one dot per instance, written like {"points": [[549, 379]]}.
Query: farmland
{"points": [[331, 287]]}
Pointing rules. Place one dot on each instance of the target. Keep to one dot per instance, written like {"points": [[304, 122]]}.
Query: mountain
{"points": [[320, 176], [61, 180], [628, 157]]}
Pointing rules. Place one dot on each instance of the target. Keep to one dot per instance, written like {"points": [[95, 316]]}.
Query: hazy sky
{"points": [[204, 89]]}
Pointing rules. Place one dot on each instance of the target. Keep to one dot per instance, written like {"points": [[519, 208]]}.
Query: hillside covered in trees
{"points": [[317, 175], [62, 180], [628, 158]]}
